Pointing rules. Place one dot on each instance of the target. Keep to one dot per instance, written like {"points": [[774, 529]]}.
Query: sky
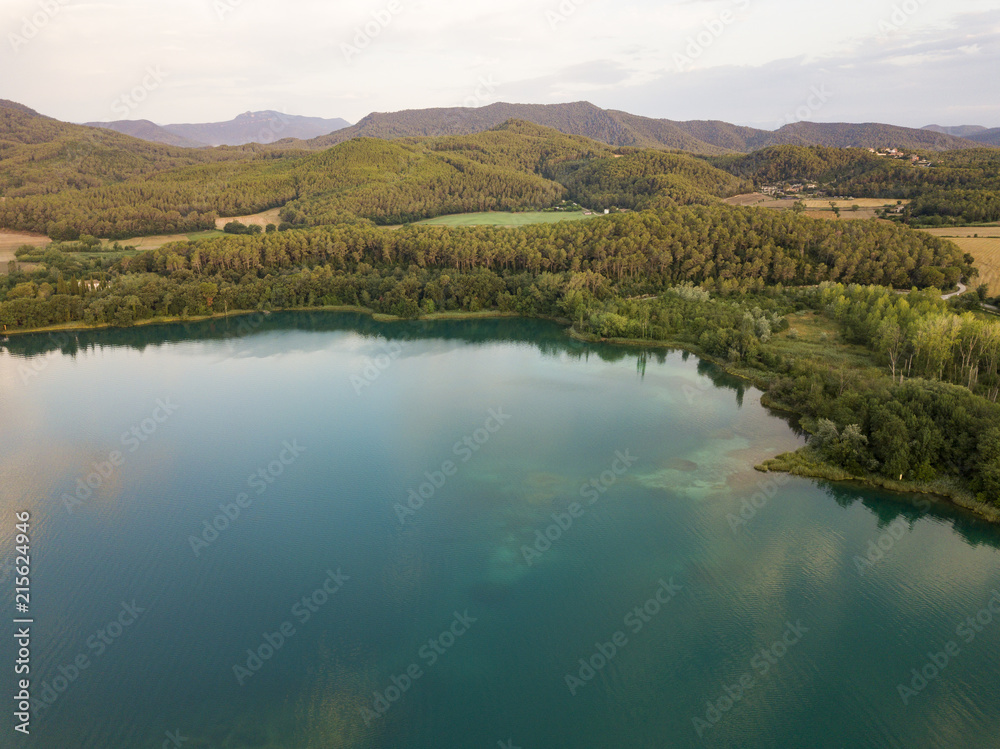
{"points": [[761, 63]]}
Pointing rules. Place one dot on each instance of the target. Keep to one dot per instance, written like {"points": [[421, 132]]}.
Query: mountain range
{"points": [[977, 133], [706, 137], [250, 127], [615, 128]]}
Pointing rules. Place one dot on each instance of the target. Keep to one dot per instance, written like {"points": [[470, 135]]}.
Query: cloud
{"points": [[906, 79], [758, 58]]}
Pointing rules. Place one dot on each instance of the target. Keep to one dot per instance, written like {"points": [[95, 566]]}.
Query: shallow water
{"points": [[637, 465]]}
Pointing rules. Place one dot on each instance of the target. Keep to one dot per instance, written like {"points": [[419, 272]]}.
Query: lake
{"points": [[315, 530]]}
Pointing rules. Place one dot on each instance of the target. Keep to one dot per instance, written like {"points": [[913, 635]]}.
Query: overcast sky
{"points": [[753, 62]]}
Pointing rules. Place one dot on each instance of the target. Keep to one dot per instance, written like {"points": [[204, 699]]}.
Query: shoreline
{"points": [[778, 464]]}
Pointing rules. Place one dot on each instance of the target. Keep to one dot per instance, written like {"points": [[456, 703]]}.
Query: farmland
{"points": [[505, 219], [853, 209], [257, 219], [155, 242], [983, 243], [11, 240]]}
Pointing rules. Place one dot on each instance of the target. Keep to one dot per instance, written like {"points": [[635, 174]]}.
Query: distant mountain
{"points": [[867, 135], [622, 129], [987, 137], [250, 127], [962, 131], [578, 118], [146, 130]]}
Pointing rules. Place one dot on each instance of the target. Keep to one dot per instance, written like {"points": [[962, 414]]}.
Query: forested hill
{"points": [[579, 118], [66, 180], [988, 138], [960, 186], [518, 165], [623, 129], [40, 155]]}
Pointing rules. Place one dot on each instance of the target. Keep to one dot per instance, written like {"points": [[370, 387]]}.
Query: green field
{"points": [[504, 219]]}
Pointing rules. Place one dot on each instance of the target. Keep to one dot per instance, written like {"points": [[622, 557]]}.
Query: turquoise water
{"points": [[449, 619]]}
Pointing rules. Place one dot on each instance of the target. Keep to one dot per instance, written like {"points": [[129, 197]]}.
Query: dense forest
{"points": [[387, 182], [718, 246], [646, 179]]}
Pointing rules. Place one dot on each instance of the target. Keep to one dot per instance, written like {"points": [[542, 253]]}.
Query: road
{"points": [[962, 288]]}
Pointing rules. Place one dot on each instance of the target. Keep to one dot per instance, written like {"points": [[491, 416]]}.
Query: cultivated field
{"points": [[985, 249], [850, 210], [504, 219], [753, 198], [157, 241], [965, 231], [259, 219], [11, 240]]}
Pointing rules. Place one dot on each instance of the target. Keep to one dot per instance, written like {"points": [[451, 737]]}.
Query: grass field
{"points": [[503, 219], [985, 249]]}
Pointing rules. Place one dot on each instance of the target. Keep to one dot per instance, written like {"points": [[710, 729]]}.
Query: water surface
{"points": [[345, 417]]}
